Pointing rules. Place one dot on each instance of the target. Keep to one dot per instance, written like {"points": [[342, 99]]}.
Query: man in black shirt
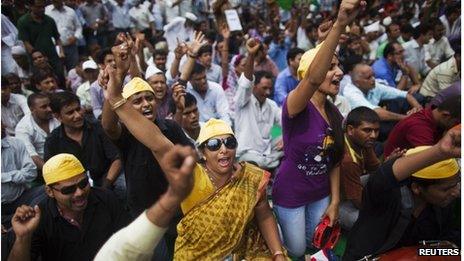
{"points": [[75, 220], [84, 139], [408, 200]]}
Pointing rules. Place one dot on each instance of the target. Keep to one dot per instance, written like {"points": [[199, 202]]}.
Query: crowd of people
{"points": [[149, 130]]}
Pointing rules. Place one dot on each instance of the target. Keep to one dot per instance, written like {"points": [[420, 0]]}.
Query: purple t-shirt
{"points": [[303, 174]]}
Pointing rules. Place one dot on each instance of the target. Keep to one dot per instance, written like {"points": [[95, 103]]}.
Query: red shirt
{"points": [[418, 129]]}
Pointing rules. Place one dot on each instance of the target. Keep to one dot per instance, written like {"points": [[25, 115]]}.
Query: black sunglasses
{"points": [[215, 144], [71, 189]]}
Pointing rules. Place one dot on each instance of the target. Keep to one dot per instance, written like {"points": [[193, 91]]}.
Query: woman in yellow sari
{"points": [[227, 212]]}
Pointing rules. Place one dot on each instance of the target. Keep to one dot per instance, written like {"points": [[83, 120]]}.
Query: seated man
{"points": [[425, 127], [73, 222], [83, 138], [34, 128], [407, 200], [90, 71], [415, 50], [211, 99], [18, 171], [366, 91], [255, 115], [394, 71], [14, 107], [445, 74], [45, 82], [186, 113], [361, 132], [287, 80]]}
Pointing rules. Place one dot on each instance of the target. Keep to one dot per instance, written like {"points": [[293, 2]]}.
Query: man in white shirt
{"points": [[439, 49], [91, 71], [415, 52], [34, 128], [14, 107], [255, 115], [144, 20], [211, 99], [70, 30], [180, 28]]}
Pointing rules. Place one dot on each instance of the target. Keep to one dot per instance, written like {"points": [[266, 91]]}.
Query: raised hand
{"points": [[178, 95], [396, 153], [121, 54], [348, 11], [197, 43], [252, 46], [113, 88], [178, 164], [181, 49], [450, 144], [25, 220], [225, 32]]}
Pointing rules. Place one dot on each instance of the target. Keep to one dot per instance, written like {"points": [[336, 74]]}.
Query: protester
{"points": [[287, 80], [14, 107]]}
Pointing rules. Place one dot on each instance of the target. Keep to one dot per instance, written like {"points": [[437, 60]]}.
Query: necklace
{"points": [[211, 178]]}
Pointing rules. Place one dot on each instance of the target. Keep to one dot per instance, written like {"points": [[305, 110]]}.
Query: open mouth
{"points": [[225, 162], [80, 202], [336, 82], [148, 113]]}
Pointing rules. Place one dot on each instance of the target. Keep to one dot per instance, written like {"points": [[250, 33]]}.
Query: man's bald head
{"points": [[363, 77]]}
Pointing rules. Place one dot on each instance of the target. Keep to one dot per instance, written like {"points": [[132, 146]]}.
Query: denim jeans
{"points": [[298, 224]]}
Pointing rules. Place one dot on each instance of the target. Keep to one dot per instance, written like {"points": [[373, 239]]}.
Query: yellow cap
{"points": [[212, 128], [136, 85], [440, 170], [306, 60], [61, 167]]}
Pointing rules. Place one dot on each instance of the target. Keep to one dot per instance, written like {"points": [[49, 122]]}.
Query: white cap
{"points": [[152, 70], [89, 65], [372, 27], [387, 21], [191, 16], [18, 50]]}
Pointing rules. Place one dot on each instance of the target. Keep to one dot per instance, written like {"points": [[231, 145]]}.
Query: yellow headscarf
{"points": [[61, 167], [306, 60], [440, 170], [135, 85], [212, 128]]}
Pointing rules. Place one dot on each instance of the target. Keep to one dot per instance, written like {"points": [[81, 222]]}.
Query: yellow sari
{"points": [[220, 223]]}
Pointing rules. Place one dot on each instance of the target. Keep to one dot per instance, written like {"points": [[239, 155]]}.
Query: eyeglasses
{"points": [[71, 189], [215, 144]]}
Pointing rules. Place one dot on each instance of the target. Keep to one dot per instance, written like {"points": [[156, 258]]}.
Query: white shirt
{"points": [[253, 121], [179, 10], [416, 56], [29, 132], [134, 242], [342, 104], [83, 92], [13, 112], [440, 78], [214, 73], [176, 29], [373, 97], [302, 40], [214, 105], [9, 39], [439, 51], [66, 21], [142, 17]]}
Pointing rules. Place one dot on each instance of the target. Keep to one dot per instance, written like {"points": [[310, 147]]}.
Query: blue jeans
{"points": [[293, 220]]}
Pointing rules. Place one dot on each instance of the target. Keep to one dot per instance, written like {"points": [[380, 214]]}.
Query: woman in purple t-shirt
{"points": [[306, 187]]}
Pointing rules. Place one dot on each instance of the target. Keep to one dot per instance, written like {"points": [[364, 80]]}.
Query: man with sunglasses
{"points": [[75, 220]]}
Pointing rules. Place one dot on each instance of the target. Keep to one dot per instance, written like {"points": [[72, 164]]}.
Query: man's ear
{"points": [[349, 130], [49, 191]]}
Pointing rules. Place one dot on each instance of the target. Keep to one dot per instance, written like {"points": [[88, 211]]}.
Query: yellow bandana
{"points": [[136, 85], [61, 167], [440, 170], [213, 128]]}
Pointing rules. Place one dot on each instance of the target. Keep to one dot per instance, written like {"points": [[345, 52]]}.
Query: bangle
{"points": [[276, 253], [182, 82], [164, 208], [192, 55], [118, 104]]}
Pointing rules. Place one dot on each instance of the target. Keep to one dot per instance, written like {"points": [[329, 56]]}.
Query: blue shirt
{"points": [[385, 71], [285, 83], [278, 53], [373, 97]]}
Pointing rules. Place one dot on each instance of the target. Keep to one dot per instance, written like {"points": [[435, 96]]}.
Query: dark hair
{"points": [[190, 100], [389, 49], [267, 40], [102, 54], [40, 75], [198, 68], [335, 121], [211, 35], [361, 114], [5, 82], [292, 53], [33, 97], [262, 74], [205, 49], [453, 8], [352, 38], [60, 99], [159, 52], [9, 76], [389, 26], [407, 28], [421, 29], [452, 105]]}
